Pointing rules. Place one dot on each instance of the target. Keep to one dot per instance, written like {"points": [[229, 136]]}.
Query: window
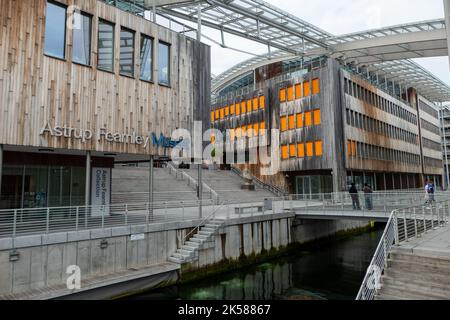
{"points": [[262, 128], [232, 109], [349, 148], [262, 102], [283, 95], [298, 91], [81, 49], [300, 120], [309, 149], [105, 57], [284, 152], [308, 118], [243, 107], [291, 122], [317, 117], [217, 114], [316, 86], [146, 58], [290, 93], [256, 128], [126, 52], [212, 116], [227, 111], [283, 123], [238, 109], [55, 31], [307, 89], [255, 104], [249, 105], [292, 150], [301, 150], [222, 113], [164, 64], [319, 148]]}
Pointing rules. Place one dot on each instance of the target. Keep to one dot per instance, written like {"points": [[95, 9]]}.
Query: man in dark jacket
{"points": [[368, 196], [355, 197]]}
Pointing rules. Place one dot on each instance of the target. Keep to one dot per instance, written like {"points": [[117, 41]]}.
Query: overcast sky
{"points": [[339, 17]]}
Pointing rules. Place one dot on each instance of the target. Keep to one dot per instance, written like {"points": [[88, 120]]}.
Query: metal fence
{"points": [[404, 224]]}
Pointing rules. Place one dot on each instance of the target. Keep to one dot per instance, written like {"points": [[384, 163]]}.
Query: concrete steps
{"points": [[189, 249], [415, 277]]}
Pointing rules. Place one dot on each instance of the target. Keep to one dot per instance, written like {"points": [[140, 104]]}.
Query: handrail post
{"points": [[395, 220], [432, 216], [385, 252], [415, 222], [103, 217], [14, 224], [405, 225], [147, 218], [424, 220], [47, 223], [77, 217], [126, 214]]}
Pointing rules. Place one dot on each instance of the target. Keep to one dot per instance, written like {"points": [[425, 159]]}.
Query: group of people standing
{"points": [[368, 195]]}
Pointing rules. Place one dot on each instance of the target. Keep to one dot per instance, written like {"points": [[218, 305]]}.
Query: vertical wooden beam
{"points": [[88, 178], [1, 168]]}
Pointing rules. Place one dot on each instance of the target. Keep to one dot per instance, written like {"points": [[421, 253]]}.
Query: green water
{"points": [[333, 272]]}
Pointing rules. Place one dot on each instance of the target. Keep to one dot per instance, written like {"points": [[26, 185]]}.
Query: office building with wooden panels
{"points": [[336, 127], [84, 84]]}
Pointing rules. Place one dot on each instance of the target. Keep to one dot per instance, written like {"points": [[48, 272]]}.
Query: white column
{"points": [[447, 22], [88, 178]]}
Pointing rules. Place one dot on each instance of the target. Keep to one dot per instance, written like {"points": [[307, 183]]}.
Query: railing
{"points": [[403, 225], [266, 186], [192, 182]]}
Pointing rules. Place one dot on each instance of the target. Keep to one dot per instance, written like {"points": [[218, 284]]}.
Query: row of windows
{"points": [[361, 93], [302, 150], [430, 110], [430, 127], [369, 151], [300, 90], [243, 107], [427, 143], [55, 45], [300, 120], [432, 162], [361, 121], [251, 130]]}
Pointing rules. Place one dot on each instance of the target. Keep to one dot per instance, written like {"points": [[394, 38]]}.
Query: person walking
{"points": [[429, 192], [368, 196], [355, 197]]}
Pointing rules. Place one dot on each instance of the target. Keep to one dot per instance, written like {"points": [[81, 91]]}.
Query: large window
{"points": [[105, 46], [164, 64], [127, 52], [146, 58], [82, 38], [55, 30]]}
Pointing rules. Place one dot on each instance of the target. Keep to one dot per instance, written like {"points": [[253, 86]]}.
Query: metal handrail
{"points": [[403, 225], [203, 222], [276, 190]]}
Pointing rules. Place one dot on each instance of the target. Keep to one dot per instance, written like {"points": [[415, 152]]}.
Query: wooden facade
{"points": [[36, 89]]}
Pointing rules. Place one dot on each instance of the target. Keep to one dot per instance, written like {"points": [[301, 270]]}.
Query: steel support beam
{"points": [[447, 22]]}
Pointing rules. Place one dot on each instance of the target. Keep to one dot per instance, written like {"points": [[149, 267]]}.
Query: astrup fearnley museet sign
{"points": [[103, 134]]}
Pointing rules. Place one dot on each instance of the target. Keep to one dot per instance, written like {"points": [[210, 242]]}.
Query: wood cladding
{"points": [[36, 89]]}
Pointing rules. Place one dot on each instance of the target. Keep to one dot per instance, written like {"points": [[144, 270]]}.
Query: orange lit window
{"points": [[213, 139], [227, 111], [316, 86], [307, 88], [232, 134], [349, 148], [290, 93], [317, 117], [284, 152], [244, 131], [283, 123], [298, 91], [262, 102], [301, 150], [319, 148], [255, 104], [292, 150], [232, 109], [212, 116], [291, 122], [243, 107], [217, 114], [238, 109], [354, 148], [222, 113], [249, 105], [300, 120], [262, 128], [256, 128], [283, 95], [308, 119], [309, 149]]}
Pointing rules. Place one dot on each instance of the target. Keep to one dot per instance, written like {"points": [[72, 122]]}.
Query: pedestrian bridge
{"points": [[334, 206]]}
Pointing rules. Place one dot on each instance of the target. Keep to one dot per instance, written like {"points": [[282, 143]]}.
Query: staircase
{"points": [[189, 250], [414, 277]]}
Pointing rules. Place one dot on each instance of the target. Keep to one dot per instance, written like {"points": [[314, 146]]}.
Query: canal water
{"points": [[326, 272]]}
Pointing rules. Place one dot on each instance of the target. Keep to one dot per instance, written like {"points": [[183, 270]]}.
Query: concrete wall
{"points": [[44, 259]]}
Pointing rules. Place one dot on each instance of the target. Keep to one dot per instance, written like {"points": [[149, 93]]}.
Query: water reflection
{"points": [[333, 271]]}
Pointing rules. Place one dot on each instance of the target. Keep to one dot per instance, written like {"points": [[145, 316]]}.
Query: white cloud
{"points": [[340, 17]]}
